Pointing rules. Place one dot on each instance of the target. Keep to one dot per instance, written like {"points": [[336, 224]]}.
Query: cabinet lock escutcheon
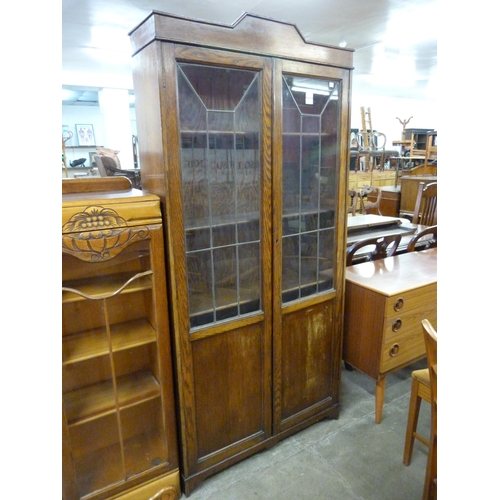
{"points": [[394, 350], [396, 325], [398, 305]]}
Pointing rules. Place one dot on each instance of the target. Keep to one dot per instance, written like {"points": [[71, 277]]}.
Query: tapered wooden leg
{"points": [[379, 399], [411, 426], [430, 484]]}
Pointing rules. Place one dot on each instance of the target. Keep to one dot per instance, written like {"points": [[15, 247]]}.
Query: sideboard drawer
{"points": [[403, 340], [411, 299]]}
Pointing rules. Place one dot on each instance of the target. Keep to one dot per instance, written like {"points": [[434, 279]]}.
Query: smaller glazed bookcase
{"points": [[119, 428]]}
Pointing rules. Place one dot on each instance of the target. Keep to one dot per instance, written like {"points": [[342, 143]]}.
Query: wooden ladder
{"points": [[366, 123], [367, 136]]}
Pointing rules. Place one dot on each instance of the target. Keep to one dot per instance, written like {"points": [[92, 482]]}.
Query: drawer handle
{"points": [[394, 350], [396, 325], [398, 305]]}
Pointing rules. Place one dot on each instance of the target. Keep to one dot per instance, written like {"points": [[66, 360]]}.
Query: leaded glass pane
{"points": [[220, 112], [310, 164]]}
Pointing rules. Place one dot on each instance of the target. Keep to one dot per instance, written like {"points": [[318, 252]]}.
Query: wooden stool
{"points": [[420, 389]]}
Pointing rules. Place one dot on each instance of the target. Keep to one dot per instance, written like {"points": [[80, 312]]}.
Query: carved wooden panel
{"points": [[98, 234]]}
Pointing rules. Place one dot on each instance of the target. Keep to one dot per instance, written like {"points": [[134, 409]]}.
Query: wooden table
{"points": [[361, 227], [385, 302]]}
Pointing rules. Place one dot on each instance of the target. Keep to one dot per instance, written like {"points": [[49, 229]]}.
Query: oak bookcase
{"points": [[244, 134], [119, 425]]}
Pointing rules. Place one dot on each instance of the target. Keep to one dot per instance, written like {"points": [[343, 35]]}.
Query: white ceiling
{"points": [[395, 41]]}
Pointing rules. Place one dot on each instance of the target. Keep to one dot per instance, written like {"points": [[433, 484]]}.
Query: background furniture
{"points": [[247, 150], [380, 179], [71, 152], [389, 201], [119, 424], [416, 144], [409, 192], [430, 337], [418, 153], [377, 178], [373, 205], [423, 240], [368, 226], [107, 168], [352, 197], [374, 159], [371, 145], [385, 301], [425, 211], [380, 248], [431, 150]]}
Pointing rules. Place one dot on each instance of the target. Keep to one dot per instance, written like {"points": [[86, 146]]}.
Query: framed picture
{"points": [[85, 135]]}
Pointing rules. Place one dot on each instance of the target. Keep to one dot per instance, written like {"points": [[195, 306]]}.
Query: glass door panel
{"points": [[219, 120], [310, 161]]}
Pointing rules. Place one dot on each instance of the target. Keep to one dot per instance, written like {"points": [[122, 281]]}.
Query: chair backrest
{"points": [[425, 211], [370, 205], [385, 246], [353, 201], [427, 238], [431, 149], [109, 164], [100, 165], [111, 153], [107, 168]]}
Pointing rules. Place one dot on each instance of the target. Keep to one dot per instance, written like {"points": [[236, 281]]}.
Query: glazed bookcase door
{"points": [[308, 259], [219, 110], [113, 366], [222, 275]]}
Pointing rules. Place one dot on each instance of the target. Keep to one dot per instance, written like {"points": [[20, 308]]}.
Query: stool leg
{"points": [[430, 485], [379, 399], [411, 426]]}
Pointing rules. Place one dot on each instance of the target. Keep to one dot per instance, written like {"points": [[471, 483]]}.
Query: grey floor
{"points": [[351, 458]]}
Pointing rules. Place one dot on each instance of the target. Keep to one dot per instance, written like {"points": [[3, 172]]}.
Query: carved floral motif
{"points": [[98, 234]]}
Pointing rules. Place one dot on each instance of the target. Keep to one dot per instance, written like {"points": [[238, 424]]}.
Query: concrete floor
{"points": [[351, 458]]}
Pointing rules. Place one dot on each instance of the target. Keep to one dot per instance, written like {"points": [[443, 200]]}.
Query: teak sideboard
{"points": [[385, 302], [118, 424], [244, 136]]}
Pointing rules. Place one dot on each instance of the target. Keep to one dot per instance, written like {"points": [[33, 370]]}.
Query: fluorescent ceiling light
{"points": [[312, 91]]}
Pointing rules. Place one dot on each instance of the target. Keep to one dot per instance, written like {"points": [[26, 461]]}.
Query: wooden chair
{"points": [[107, 168], [425, 211], [370, 205], [431, 149], [385, 246], [427, 238], [430, 485], [420, 389], [353, 195]]}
